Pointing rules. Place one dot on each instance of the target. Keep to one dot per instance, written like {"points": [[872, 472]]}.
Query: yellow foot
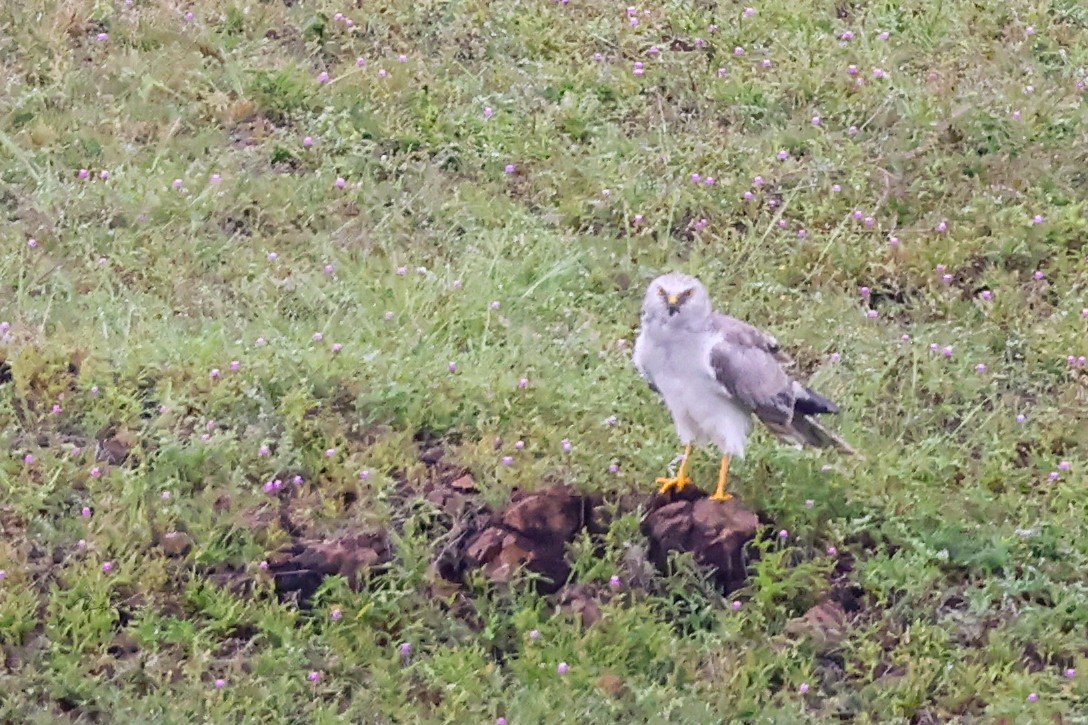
{"points": [[668, 484], [720, 496], [681, 480]]}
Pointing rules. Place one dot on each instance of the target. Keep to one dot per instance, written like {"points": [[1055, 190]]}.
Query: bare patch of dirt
{"points": [[528, 535]]}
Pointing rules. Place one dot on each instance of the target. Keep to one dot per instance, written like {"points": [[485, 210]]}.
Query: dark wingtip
{"points": [[814, 404]]}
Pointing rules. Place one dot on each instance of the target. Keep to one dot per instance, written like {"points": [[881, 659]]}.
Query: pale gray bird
{"points": [[714, 372]]}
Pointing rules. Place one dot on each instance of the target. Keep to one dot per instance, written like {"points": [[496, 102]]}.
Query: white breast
{"points": [[701, 408]]}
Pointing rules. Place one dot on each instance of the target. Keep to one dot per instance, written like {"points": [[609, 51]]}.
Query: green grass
{"points": [[966, 560]]}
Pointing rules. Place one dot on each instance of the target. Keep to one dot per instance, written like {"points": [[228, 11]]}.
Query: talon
{"points": [[681, 479], [720, 497], [667, 484]]}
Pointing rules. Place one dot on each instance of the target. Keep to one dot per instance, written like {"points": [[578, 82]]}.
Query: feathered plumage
{"points": [[714, 372]]}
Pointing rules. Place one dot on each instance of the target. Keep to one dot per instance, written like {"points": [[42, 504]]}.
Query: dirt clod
{"points": [[464, 484], [432, 455], [301, 566], [532, 531], [612, 684], [123, 645], [579, 600], [824, 624], [114, 445], [176, 543], [551, 515], [451, 500], [716, 532], [230, 577]]}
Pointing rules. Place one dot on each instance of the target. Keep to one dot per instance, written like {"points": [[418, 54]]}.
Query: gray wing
{"points": [[747, 362], [744, 335], [755, 379]]}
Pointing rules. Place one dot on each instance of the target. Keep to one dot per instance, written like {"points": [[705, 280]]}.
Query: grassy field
{"points": [[250, 242]]}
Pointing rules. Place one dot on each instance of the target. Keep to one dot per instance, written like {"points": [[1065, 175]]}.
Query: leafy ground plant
{"points": [[278, 275]]}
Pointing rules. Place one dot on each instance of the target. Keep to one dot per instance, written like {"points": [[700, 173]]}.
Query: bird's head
{"points": [[676, 300]]}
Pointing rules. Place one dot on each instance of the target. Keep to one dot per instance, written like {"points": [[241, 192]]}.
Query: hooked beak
{"points": [[673, 302]]}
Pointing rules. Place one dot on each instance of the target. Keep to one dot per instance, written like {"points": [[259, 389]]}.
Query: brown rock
{"points": [[432, 455], [514, 553], [115, 446], [123, 645], [464, 484], [580, 601], [825, 624], [670, 526], [303, 565], [500, 553], [486, 546], [612, 684], [552, 514], [450, 501], [531, 532], [716, 532], [176, 543]]}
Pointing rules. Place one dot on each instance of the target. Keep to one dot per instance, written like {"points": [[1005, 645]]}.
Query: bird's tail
{"points": [[804, 430], [816, 435]]}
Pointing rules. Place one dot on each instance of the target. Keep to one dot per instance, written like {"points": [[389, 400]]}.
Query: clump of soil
{"points": [[716, 532], [299, 568], [532, 531]]}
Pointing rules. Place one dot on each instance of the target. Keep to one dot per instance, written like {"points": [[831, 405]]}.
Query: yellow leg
{"points": [[723, 476], [681, 479]]}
